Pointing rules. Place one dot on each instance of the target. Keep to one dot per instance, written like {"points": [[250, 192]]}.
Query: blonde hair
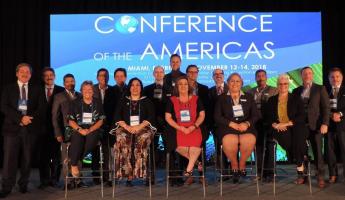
{"points": [[283, 76]]}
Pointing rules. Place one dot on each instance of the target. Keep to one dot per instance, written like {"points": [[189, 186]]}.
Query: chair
{"points": [[307, 158], [230, 175], [168, 176], [112, 132], [66, 165]]}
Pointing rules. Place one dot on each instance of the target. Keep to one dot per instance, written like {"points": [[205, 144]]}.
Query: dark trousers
{"points": [[49, 159], [106, 153], [293, 142], [315, 138], [334, 140], [22, 144], [81, 145], [264, 143]]}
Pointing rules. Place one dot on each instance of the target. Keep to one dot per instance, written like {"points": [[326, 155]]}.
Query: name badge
{"points": [[157, 93], [173, 84], [87, 118], [238, 111], [333, 103], [22, 105], [185, 115], [134, 120]]}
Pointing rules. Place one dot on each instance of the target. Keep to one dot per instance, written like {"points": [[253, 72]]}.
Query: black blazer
{"points": [[159, 105], [338, 126], [147, 111], [47, 123], [203, 95], [9, 108], [111, 98], [295, 111], [223, 113], [213, 97], [169, 79], [318, 106]]}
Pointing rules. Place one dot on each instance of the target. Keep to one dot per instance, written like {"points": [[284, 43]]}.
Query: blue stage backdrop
{"points": [[278, 42]]}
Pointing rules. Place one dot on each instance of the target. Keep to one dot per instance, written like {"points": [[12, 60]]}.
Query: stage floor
{"points": [[285, 189]]}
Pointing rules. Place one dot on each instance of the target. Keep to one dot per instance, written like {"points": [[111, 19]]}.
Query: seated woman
{"points": [[235, 114], [85, 118], [286, 115], [134, 115], [185, 115]]}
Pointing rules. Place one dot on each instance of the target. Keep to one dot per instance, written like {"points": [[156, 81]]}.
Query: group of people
{"points": [[45, 119]]}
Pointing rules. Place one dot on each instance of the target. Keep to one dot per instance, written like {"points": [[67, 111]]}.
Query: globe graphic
{"points": [[126, 24]]}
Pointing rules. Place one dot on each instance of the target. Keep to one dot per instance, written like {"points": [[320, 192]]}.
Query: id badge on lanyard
{"points": [[185, 115], [22, 105], [134, 120], [333, 103], [87, 118], [157, 93], [238, 110]]}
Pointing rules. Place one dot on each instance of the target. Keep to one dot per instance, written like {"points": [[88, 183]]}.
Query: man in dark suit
{"points": [[336, 135], [60, 110], [100, 92], [214, 92], [22, 105], [170, 78], [316, 104], [157, 95], [47, 147], [261, 93]]}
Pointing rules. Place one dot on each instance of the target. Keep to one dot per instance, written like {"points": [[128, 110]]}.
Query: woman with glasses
{"points": [[235, 114], [134, 117], [285, 113], [85, 118]]}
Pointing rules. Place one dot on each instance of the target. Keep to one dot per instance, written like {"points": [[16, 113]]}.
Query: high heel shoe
{"points": [[243, 172], [189, 179], [129, 183], [235, 175]]}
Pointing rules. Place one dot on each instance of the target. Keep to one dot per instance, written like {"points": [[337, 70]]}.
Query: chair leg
{"points": [[274, 168], [256, 172], [114, 174], [150, 173], [221, 170], [263, 159], [101, 168], [65, 163], [167, 174], [203, 171]]}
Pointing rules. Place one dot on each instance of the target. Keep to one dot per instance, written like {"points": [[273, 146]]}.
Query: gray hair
{"points": [[85, 83], [283, 76]]}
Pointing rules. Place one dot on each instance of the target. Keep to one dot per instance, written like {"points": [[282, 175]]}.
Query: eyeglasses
{"points": [[283, 83], [215, 74], [193, 72]]}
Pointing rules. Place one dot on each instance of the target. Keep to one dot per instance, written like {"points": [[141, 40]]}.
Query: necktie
{"points": [[219, 90], [23, 92], [335, 92], [49, 93]]}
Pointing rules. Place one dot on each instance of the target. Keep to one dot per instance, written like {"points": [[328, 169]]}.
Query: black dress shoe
{"points": [[129, 183], [4, 194], [23, 189], [81, 184]]}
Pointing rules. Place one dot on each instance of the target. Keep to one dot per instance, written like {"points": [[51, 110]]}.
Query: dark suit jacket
{"points": [[295, 111], [203, 95], [47, 123], [60, 111], [9, 108], [213, 97], [97, 92], [318, 106], [168, 81], [338, 126], [159, 105], [111, 98]]}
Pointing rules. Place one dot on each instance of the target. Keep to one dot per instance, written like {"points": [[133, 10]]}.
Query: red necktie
{"points": [[49, 93]]}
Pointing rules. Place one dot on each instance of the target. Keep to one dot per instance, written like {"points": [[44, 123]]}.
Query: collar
{"points": [[51, 87], [21, 83]]}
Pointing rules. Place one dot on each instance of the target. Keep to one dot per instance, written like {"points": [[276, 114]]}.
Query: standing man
{"points": [[214, 92], [262, 92], [48, 147], [168, 87], [156, 94], [100, 92], [169, 79], [22, 105], [316, 105], [336, 135], [60, 111]]}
